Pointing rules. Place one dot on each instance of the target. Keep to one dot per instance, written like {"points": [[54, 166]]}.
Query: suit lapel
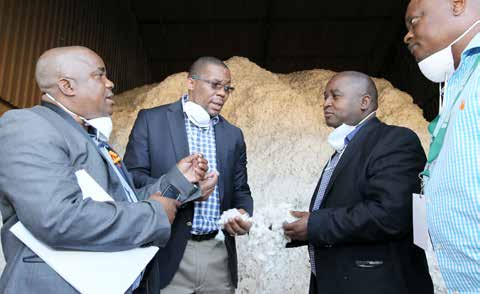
{"points": [[176, 124], [111, 173], [349, 152], [220, 145], [128, 178], [70, 121]]}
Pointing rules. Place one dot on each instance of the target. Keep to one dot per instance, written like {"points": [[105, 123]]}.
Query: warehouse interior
{"points": [[145, 41]]}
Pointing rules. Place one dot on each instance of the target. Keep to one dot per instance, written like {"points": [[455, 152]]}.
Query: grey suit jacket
{"points": [[41, 148]]}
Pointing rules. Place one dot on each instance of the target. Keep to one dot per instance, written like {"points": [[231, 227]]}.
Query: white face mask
{"points": [[439, 66], [103, 124], [336, 139], [197, 114]]}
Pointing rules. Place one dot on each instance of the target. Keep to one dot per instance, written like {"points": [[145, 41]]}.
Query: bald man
{"points": [[359, 226], [42, 148], [444, 38]]}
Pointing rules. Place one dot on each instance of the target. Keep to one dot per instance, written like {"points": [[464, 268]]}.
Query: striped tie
{"points": [[327, 174]]}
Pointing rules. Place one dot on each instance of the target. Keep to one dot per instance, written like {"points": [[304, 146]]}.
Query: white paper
{"points": [[90, 188], [421, 238], [91, 272]]}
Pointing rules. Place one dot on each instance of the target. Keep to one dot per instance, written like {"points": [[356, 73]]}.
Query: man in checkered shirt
{"points": [[194, 260], [444, 38]]}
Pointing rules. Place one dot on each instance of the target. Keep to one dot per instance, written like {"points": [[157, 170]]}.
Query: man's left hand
{"points": [[207, 186], [297, 230], [237, 226]]}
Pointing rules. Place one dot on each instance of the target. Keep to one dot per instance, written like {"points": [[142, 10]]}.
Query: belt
{"points": [[204, 237]]}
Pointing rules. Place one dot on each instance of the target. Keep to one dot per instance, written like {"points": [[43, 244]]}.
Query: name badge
{"points": [[421, 238]]}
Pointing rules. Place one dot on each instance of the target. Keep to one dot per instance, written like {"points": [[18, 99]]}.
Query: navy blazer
{"points": [[157, 142], [362, 233]]}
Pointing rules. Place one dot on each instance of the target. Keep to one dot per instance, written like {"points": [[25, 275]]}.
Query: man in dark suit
{"points": [[359, 226], [194, 260]]}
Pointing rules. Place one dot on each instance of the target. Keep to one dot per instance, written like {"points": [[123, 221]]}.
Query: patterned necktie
{"points": [[327, 174]]}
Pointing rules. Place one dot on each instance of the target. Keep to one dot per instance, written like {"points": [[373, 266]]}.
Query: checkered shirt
{"points": [[453, 189], [202, 140]]}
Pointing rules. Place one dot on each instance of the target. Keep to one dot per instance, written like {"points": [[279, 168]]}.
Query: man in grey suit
{"points": [[42, 148]]}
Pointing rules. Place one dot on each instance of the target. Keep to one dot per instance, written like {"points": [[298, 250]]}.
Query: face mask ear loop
{"points": [[66, 109], [440, 95], [466, 32]]}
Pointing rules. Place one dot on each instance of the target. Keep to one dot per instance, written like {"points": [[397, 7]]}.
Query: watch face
{"points": [[171, 192]]}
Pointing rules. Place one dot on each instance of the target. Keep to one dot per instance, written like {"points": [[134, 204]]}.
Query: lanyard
{"points": [[438, 134], [105, 149]]}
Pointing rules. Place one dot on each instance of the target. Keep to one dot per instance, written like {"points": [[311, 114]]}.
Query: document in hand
{"points": [[91, 272]]}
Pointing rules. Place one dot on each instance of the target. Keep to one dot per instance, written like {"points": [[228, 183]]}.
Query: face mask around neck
{"points": [[103, 125], [197, 114], [336, 139], [439, 66]]}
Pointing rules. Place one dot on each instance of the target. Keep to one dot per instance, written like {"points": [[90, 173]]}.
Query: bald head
{"points": [[363, 85], [350, 96], [58, 63], [76, 78]]}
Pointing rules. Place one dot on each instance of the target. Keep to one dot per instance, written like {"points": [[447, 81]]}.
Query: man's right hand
{"points": [[170, 205], [193, 167]]}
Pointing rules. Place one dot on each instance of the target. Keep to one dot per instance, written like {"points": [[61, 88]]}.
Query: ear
{"points": [[66, 86], [458, 6], [190, 84], [365, 102]]}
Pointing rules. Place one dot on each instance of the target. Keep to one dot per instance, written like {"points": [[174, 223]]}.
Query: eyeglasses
{"points": [[215, 85]]}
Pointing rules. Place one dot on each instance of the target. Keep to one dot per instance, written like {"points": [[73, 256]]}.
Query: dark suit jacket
{"points": [[362, 233], [157, 142]]}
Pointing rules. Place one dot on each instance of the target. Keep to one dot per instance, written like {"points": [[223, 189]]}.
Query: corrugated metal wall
{"points": [[29, 27]]}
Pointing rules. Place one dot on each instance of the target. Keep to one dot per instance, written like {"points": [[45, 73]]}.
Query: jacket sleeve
{"points": [[385, 210], [173, 178], [242, 195], [37, 179]]}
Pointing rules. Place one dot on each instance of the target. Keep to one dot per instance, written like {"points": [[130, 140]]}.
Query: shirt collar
{"points": [[474, 44], [93, 135], [214, 120], [352, 134]]}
